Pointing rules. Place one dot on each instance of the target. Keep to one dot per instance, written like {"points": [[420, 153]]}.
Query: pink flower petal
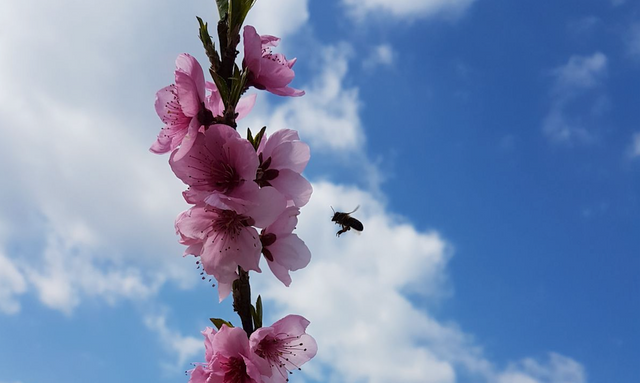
{"points": [[187, 141], [245, 105], [214, 101], [231, 341], [280, 272], [190, 83], [268, 205], [294, 186], [198, 375], [285, 223], [290, 252], [252, 49], [224, 289]]}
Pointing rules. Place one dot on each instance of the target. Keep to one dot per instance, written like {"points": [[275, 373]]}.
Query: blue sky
{"points": [[493, 146]]}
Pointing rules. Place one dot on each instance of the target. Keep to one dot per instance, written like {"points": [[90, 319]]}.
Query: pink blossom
{"points": [[282, 158], [220, 169], [226, 239], [228, 359], [285, 345], [181, 107], [270, 71], [283, 250]]}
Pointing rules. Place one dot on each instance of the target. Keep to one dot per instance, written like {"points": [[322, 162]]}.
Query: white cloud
{"points": [[381, 55], [410, 9], [12, 284], [352, 292], [355, 293], [574, 80], [279, 17], [67, 272], [89, 212], [564, 129], [558, 369], [581, 72], [186, 348]]}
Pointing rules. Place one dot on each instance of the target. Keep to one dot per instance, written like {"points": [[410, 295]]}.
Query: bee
{"points": [[346, 221]]}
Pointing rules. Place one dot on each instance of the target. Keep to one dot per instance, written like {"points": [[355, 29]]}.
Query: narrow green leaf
{"points": [[222, 87], [209, 46], [249, 136], [256, 144], [219, 322], [223, 7], [238, 10], [259, 308], [257, 321]]}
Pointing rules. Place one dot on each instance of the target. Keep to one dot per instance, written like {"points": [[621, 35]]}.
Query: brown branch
{"points": [[242, 300]]}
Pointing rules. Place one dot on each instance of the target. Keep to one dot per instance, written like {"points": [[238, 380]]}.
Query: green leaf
{"points": [[238, 10], [219, 322], [256, 313], [222, 88], [223, 7], [209, 46], [259, 308], [249, 136], [256, 144]]}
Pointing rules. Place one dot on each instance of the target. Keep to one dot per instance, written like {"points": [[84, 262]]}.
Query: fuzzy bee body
{"points": [[346, 221]]}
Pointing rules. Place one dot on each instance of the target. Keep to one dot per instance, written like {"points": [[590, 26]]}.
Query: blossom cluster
{"points": [[246, 195], [267, 356], [235, 188]]}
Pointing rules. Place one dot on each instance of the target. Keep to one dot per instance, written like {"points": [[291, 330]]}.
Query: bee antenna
{"points": [[334, 212]]}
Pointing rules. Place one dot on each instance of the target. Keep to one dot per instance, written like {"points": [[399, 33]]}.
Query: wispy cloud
{"points": [[581, 72], [186, 348], [557, 369], [381, 55], [573, 80], [406, 9], [12, 284], [632, 40], [634, 151], [279, 17]]}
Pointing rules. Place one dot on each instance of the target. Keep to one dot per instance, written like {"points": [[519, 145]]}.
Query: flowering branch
{"points": [[245, 193]]}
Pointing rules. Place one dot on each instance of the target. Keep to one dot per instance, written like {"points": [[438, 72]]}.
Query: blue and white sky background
{"points": [[493, 147]]}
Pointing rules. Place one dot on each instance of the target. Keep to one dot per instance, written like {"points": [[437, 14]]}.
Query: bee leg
{"points": [[343, 230]]}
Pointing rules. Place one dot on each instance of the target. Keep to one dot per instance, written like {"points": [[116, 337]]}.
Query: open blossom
{"points": [[226, 239], [269, 71], [181, 107], [283, 250], [285, 345], [229, 359], [282, 158], [184, 107], [220, 169]]}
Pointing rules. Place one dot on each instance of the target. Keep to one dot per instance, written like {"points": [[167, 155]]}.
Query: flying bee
{"points": [[346, 221]]}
